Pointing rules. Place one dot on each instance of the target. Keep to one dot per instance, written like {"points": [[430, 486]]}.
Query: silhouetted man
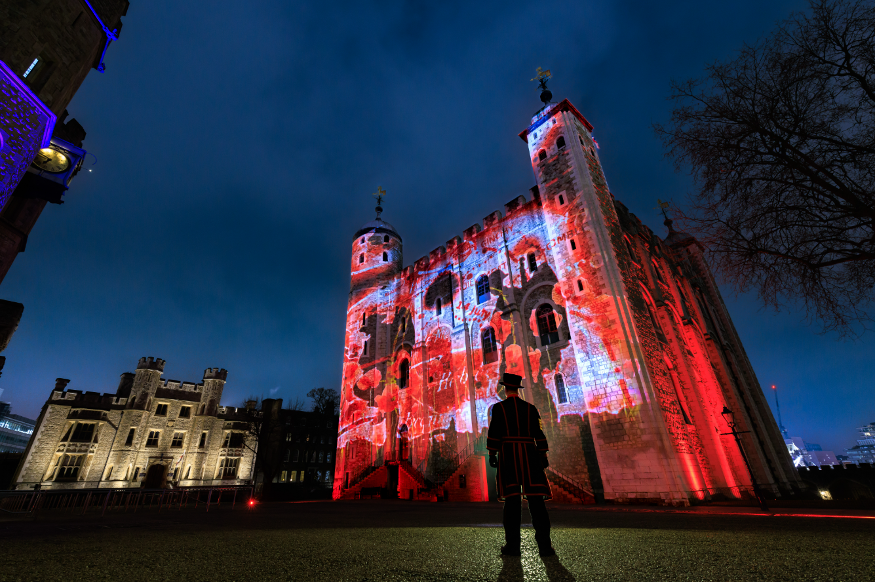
{"points": [[518, 447]]}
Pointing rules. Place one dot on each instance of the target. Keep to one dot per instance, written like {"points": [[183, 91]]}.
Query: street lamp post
{"points": [[730, 420]]}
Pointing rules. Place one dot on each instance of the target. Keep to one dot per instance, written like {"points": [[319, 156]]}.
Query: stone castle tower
{"points": [[622, 339]]}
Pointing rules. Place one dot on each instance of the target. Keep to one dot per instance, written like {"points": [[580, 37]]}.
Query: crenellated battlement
{"points": [[453, 243], [492, 219], [78, 398], [469, 233], [151, 363], [437, 254], [216, 374]]}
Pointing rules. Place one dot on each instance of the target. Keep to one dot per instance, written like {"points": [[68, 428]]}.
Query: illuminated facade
{"points": [[150, 432], [622, 339]]}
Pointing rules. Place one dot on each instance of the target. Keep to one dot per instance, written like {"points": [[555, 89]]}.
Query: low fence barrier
{"points": [[82, 501]]}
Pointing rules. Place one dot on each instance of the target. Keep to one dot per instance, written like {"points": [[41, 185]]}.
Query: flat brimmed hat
{"points": [[511, 381]]}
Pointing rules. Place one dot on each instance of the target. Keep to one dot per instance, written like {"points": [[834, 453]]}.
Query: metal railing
{"points": [[439, 477], [582, 490], [82, 501]]}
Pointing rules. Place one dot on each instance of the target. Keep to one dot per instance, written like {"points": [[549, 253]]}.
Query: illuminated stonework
{"points": [[622, 339], [150, 432]]}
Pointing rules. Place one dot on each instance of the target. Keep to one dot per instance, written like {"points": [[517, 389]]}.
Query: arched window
{"points": [[483, 289], [631, 250], [363, 240], [542, 155], [403, 326], [533, 263], [490, 346], [364, 319], [658, 274], [385, 238], [560, 389], [561, 200], [560, 143], [547, 329], [403, 374], [437, 306], [361, 258], [385, 256]]}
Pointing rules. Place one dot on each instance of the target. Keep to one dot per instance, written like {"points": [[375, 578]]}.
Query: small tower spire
{"points": [[379, 195], [542, 77], [668, 221]]}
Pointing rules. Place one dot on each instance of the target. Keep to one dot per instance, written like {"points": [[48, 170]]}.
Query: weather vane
{"points": [[379, 195], [542, 77], [663, 206]]}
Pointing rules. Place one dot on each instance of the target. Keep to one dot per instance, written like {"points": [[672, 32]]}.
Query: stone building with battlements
{"points": [[622, 338], [151, 432]]}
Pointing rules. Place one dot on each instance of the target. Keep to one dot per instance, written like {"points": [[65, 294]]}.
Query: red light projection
{"points": [[579, 298]]}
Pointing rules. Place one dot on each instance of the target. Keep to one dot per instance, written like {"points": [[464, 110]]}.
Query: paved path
{"points": [[400, 540]]}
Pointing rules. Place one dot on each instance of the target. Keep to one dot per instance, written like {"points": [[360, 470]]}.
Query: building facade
{"points": [[148, 434], [47, 48], [622, 338], [15, 430], [864, 451]]}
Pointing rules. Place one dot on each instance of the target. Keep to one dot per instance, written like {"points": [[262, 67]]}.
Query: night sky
{"points": [[237, 148]]}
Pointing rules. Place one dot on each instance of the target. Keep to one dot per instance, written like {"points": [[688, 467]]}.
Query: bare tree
{"points": [[325, 401], [264, 437], [296, 404], [780, 142]]}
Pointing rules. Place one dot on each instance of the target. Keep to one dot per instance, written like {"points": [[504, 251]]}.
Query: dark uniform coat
{"points": [[515, 433]]}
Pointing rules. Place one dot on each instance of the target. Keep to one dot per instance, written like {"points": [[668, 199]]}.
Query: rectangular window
{"points": [[136, 472], [284, 476], [573, 245], [69, 467], [161, 410], [463, 482], [233, 440], [228, 468], [288, 454], [31, 67], [178, 437], [83, 432], [130, 440], [152, 439], [185, 412], [203, 442]]}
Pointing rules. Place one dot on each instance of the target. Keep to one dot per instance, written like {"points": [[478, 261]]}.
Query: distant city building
{"points": [[303, 455], [150, 433], [809, 454], [15, 430], [864, 452]]}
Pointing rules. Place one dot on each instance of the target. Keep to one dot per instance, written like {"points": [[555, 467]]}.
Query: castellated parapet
{"points": [[147, 434], [150, 363], [216, 374]]}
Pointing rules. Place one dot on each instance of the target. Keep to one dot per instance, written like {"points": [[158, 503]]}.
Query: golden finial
{"points": [[379, 195], [542, 76]]}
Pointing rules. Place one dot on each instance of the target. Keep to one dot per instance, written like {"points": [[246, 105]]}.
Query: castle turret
{"points": [[214, 383], [376, 254], [146, 381]]}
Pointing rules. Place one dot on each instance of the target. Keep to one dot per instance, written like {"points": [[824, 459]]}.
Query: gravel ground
{"points": [[431, 542]]}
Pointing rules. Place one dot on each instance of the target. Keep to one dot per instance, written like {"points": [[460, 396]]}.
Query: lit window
{"points": [[152, 439], [542, 155], [30, 68], [403, 374], [483, 289], [228, 468], [437, 306], [547, 329], [178, 437], [560, 143], [284, 476], [560, 389], [385, 256], [490, 346], [68, 469], [161, 410], [533, 263]]}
